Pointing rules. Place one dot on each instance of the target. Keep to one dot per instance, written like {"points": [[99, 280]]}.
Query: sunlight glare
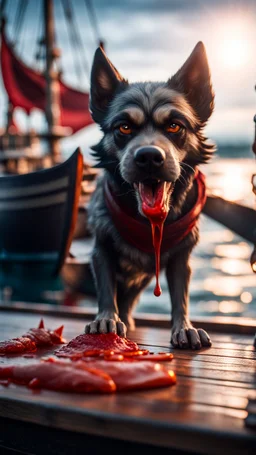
{"points": [[228, 286], [246, 297], [231, 266], [233, 183], [235, 52], [230, 306], [239, 251], [234, 42]]}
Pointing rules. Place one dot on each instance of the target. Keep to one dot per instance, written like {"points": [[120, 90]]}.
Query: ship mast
{"points": [[52, 110]]}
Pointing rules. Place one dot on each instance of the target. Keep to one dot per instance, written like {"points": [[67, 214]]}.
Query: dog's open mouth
{"points": [[154, 196]]}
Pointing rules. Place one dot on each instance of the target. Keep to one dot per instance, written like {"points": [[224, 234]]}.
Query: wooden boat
{"points": [[22, 154], [38, 213]]}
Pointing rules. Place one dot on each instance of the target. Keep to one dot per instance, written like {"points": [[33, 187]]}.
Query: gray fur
{"points": [[121, 271]]}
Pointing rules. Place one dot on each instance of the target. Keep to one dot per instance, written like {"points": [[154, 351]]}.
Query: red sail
{"points": [[26, 89]]}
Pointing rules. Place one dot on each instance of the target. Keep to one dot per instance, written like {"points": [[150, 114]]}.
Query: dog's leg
{"points": [[127, 299], [184, 335], [104, 270]]}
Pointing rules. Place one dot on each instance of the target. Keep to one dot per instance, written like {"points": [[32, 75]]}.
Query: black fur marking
{"points": [[106, 81]]}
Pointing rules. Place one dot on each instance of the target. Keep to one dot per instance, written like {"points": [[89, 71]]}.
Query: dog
{"points": [[152, 143]]}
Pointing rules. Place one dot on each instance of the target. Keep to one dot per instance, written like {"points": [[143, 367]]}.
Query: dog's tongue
{"points": [[153, 198], [154, 207]]}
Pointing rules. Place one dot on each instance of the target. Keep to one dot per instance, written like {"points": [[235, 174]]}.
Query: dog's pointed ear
{"points": [[194, 80], [105, 80]]}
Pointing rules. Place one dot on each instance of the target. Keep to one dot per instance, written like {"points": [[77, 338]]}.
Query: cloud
{"points": [[149, 39], [159, 6]]}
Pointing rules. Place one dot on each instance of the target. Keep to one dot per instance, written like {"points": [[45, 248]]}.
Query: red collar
{"points": [[139, 234]]}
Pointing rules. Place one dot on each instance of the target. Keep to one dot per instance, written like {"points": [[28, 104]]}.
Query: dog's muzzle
{"points": [[149, 158]]}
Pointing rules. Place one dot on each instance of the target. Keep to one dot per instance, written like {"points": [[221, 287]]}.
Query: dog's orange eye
{"points": [[173, 128], [125, 129]]}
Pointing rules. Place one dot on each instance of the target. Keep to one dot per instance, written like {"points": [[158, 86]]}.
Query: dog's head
{"points": [[152, 130]]}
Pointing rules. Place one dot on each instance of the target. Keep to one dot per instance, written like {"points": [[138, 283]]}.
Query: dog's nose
{"points": [[149, 157]]}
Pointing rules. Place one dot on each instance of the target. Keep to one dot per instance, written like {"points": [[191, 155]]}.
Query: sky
{"points": [[150, 40]]}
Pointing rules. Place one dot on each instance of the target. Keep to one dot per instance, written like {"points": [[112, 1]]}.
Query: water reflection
{"points": [[223, 286], [231, 179], [231, 266], [246, 297], [232, 184], [230, 306], [240, 250]]}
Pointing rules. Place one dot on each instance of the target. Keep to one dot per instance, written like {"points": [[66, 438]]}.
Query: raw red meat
{"points": [[60, 376], [133, 355], [160, 357], [95, 345], [17, 345], [108, 347], [135, 375], [130, 375], [34, 338]]}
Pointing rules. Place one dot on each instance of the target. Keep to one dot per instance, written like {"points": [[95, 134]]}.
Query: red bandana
{"points": [[139, 234]]}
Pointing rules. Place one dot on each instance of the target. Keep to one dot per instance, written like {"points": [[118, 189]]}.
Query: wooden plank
{"points": [[208, 392], [121, 401], [147, 336], [231, 338], [208, 404], [214, 373], [182, 368], [209, 356], [215, 324], [161, 338], [188, 388], [228, 384], [199, 365], [180, 361], [235, 353], [218, 346], [213, 352], [135, 419], [215, 361]]}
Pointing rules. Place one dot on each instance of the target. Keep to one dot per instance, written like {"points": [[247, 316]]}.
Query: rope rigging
{"points": [[94, 22], [19, 21], [80, 61], [2, 8], [75, 40], [39, 53], [27, 31]]}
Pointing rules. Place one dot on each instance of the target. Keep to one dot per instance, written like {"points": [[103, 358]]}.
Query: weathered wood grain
{"points": [[232, 325], [205, 412]]}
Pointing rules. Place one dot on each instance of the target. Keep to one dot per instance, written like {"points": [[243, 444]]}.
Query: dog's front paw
{"points": [[129, 322], [107, 323], [190, 338]]}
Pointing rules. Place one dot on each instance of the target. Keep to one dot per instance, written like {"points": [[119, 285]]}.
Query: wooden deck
{"points": [[205, 412]]}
